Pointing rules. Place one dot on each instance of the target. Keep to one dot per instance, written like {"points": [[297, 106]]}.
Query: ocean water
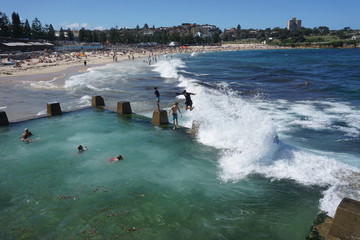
{"points": [[278, 142]]}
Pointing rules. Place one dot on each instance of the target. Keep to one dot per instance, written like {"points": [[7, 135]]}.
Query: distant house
{"points": [[355, 37]]}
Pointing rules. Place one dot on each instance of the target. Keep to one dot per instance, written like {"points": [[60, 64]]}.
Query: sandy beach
{"points": [[50, 65]]}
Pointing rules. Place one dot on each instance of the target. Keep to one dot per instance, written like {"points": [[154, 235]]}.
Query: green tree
{"points": [[102, 37], [89, 36], [61, 35], [146, 26], [82, 35], [95, 36], [4, 25], [36, 29], [16, 27], [50, 32], [27, 29], [70, 35], [114, 36]]}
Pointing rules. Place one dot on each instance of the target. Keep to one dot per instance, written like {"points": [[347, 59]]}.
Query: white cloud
{"points": [[74, 26], [99, 28]]}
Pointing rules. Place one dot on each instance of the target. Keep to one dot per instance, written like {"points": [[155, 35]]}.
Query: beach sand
{"points": [[54, 64]]}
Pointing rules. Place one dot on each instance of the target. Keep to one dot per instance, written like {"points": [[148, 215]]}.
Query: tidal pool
{"points": [[167, 186]]}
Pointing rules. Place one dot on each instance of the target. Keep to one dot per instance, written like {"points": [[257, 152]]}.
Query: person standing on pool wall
{"points": [[174, 109], [157, 98], [188, 101]]}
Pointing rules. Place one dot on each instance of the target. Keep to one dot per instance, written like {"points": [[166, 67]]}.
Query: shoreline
{"points": [[54, 65]]}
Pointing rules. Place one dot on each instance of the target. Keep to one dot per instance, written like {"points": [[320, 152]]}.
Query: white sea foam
{"points": [[309, 115], [44, 84], [168, 69], [247, 136]]}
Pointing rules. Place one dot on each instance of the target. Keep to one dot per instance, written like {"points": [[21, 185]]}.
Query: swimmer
{"points": [[25, 136], [81, 148], [115, 159]]}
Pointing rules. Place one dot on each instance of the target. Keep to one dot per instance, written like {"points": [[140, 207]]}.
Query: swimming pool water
{"points": [[167, 186]]}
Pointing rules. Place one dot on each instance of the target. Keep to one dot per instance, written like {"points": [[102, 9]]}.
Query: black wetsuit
{"points": [[188, 101]]}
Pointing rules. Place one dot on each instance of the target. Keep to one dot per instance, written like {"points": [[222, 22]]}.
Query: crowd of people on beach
{"points": [[21, 63]]}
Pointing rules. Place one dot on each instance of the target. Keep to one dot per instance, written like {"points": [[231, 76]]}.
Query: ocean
{"points": [[278, 142]]}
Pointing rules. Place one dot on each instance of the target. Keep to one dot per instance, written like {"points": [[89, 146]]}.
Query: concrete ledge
{"points": [[4, 121], [97, 101], [123, 108], [346, 223], [160, 118], [53, 109]]}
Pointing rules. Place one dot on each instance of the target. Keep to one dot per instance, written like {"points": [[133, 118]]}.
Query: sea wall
{"points": [[344, 226]]}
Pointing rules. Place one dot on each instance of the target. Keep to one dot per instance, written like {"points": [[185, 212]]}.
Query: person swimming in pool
{"points": [[116, 159], [80, 148], [25, 135]]}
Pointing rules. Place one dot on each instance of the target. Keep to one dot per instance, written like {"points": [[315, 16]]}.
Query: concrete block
{"points": [[124, 108], [4, 121], [53, 109], [97, 101], [160, 118], [346, 224]]}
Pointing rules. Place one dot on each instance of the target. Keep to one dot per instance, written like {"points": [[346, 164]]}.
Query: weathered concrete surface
{"points": [[53, 109], [160, 118], [97, 101], [124, 108], [346, 223], [4, 121], [344, 226]]}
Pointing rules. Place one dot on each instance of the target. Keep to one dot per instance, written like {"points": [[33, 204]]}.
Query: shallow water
{"points": [[166, 187]]}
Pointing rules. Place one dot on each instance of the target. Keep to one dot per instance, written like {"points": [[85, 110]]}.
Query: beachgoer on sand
{"points": [[188, 101], [157, 98], [174, 109]]}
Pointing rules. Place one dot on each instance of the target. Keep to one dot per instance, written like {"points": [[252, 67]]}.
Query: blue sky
{"points": [[258, 14]]}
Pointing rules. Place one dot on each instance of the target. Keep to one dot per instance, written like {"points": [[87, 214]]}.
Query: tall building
{"points": [[294, 24]]}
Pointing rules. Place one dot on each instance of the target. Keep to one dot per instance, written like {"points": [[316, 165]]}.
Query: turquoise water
{"points": [[231, 181], [167, 187]]}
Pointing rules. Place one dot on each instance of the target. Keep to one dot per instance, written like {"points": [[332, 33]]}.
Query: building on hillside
{"points": [[294, 24]]}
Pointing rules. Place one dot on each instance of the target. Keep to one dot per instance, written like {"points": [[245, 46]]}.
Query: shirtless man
{"points": [[174, 109]]}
